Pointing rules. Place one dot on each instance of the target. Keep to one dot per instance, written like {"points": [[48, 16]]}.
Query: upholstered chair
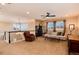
{"points": [[29, 37]]}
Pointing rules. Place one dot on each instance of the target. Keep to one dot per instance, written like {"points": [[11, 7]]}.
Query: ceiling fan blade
{"points": [[48, 15], [9, 3], [52, 15]]}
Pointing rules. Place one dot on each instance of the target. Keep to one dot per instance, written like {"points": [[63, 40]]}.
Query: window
{"points": [[56, 26], [20, 26], [50, 26], [60, 26]]}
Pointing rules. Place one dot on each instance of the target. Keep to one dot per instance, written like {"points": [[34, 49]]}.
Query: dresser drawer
{"points": [[74, 46]]}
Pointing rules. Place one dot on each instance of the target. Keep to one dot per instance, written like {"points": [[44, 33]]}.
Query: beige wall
{"points": [[7, 26], [4, 26], [75, 21], [6, 22]]}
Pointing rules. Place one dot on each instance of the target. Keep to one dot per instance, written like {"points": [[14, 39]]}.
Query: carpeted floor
{"points": [[37, 47]]}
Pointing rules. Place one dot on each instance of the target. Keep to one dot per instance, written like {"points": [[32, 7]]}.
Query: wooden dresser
{"points": [[73, 44]]}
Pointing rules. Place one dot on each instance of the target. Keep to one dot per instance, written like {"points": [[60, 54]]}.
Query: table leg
{"points": [[4, 36], [9, 38]]}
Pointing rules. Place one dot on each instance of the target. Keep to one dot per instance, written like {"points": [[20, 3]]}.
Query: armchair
{"points": [[29, 37]]}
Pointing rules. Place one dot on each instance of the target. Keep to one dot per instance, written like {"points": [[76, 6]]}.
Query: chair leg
{"points": [[45, 38]]}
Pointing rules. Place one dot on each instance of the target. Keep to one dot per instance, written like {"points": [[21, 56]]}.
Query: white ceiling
{"points": [[37, 9]]}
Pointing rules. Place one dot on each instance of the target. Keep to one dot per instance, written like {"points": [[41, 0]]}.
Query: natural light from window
{"points": [[20, 26]]}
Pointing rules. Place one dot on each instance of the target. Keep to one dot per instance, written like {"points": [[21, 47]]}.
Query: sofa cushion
{"points": [[60, 33], [54, 33]]}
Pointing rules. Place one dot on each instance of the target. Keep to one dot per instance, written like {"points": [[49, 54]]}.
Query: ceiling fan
{"points": [[48, 15]]}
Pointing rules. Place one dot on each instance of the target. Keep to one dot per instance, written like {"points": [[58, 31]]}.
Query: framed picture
{"points": [[71, 27]]}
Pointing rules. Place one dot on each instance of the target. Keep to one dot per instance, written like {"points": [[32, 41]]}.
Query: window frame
{"points": [[55, 26], [19, 27]]}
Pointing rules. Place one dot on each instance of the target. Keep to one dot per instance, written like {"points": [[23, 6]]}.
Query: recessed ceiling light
{"points": [[28, 12]]}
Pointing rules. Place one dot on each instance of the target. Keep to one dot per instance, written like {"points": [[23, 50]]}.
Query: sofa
{"points": [[55, 35]]}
